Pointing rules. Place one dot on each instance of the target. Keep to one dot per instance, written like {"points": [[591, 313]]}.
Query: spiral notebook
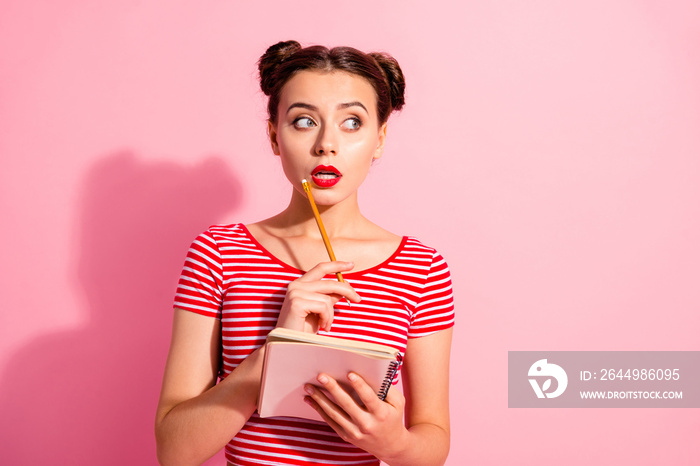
{"points": [[293, 359]]}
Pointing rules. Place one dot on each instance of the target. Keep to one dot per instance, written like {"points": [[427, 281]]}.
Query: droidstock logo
{"points": [[542, 370]]}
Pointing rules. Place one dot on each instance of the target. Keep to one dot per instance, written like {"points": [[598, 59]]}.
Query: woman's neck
{"points": [[340, 220]]}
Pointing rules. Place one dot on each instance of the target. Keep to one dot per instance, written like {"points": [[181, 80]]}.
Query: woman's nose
{"points": [[327, 143]]}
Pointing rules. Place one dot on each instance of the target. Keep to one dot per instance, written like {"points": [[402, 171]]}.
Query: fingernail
{"points": [[323, 379], [352, 376], [309, 389]]}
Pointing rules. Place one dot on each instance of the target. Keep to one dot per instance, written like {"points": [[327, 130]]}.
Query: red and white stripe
{"points": [[228, 275]]}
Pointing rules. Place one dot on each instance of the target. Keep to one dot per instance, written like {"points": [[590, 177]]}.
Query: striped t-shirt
{"points": [[228, 275]]}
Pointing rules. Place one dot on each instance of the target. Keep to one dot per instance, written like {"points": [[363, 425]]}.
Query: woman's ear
{"points": [[272, 133], [380, 144]]}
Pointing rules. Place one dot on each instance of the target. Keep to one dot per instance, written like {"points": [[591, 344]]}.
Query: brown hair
{"points": [[281, 61]]}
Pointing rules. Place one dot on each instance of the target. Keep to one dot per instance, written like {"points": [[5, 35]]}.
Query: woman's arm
{"points": [[195, 416], [426, 387], [379, 427]]}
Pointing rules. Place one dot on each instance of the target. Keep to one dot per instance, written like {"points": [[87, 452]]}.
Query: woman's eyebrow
{"points": [[353, 104], [302, 105], [313, 108]]}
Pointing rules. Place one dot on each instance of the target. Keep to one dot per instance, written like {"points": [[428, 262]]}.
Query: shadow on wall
{"points": [[88, 396]]}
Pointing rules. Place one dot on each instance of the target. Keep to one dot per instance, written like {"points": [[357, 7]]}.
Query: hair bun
{"points": [[271, 59], [394, 77]]}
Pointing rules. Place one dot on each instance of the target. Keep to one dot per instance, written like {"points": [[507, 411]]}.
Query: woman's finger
{"points": [[322, 269], [367, 395], [342, 399], [330, 410], [327, 287], [326, 407], [303, 303]]}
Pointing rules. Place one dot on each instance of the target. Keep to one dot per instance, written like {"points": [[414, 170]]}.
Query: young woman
{"points": [[328, 112]]}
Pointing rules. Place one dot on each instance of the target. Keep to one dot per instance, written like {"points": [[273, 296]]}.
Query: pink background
{"points": [[548, 149]]}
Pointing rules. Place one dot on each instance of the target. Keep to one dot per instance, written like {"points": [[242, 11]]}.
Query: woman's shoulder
{"points": [[422, 255], [223, 232], [414, 243], [225, 229], [417, 250]]}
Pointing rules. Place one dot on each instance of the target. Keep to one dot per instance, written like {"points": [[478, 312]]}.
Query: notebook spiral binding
{"points": [[390, 374]]}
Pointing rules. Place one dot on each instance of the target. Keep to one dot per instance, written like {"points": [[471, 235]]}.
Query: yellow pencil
{"points": [[317, 216]]}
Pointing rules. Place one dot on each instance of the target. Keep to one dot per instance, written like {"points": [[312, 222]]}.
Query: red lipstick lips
{"points": [[325, 176]]}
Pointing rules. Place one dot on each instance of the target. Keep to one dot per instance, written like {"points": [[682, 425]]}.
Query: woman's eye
{"points": [[304, 122], [352, 124]]}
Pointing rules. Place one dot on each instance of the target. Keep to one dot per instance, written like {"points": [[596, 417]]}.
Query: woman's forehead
{"points": [[320, 88]]}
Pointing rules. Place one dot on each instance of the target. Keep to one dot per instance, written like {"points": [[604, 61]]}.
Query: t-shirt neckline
{"points": [[302, 272]]}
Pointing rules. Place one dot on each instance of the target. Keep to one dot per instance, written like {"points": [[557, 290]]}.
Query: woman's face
{"points": [[327, 132]]}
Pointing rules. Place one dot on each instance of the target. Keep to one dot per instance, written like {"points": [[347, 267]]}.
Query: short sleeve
{"points": [[200, 287], [434, 310]]}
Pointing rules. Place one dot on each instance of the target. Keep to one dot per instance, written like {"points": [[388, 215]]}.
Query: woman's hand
{"points": [[377, 427], [309, 303]]}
